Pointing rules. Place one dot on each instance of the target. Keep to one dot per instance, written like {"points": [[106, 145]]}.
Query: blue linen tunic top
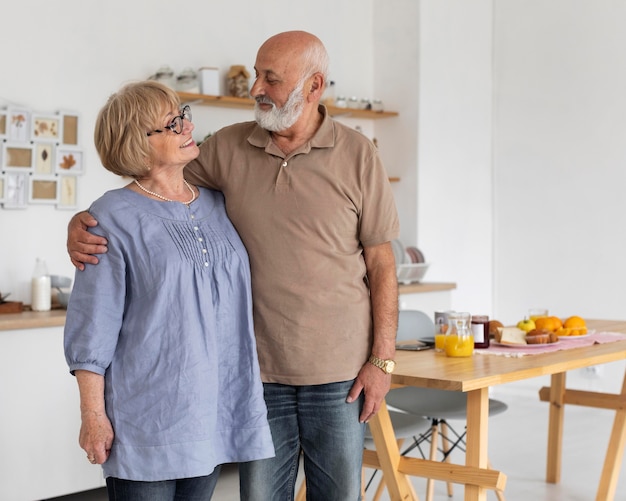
{"points": [[166, 317]]}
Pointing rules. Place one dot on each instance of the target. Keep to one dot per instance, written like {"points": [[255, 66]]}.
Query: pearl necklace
{"points": [[193, 193]]}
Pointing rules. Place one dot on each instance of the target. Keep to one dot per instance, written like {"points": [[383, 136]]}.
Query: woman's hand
{"points": [[96, 431], [96, 436]]}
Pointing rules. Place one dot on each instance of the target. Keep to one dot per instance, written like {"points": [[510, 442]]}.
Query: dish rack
{"points": [[411, 272]]}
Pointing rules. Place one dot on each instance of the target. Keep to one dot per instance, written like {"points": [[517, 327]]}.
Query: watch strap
{"points": [[384, 365]]}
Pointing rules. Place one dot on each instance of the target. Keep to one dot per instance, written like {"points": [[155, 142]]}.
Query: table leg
{"points": [[614, 454], [555, 427], [398, 484], [477, 439]]}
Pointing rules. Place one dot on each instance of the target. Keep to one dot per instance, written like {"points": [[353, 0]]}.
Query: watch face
{"points": [[391, 365]]}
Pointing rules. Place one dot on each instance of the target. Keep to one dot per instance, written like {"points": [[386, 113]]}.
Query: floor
{"points": [[517, 441]]}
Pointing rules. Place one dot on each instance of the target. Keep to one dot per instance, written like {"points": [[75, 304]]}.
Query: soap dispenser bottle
{"points": [[41, 288]]}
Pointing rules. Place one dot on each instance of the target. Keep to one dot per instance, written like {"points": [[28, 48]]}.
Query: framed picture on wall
{"points": [[46, 128], [44, 158], [67, 192], [18, 124], [15, 190], [17, 156], [70, 128], [43, 190], [68, 160], [3, 124]]}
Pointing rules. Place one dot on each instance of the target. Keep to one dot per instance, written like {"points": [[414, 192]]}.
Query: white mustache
{"points": [[264, 100]]}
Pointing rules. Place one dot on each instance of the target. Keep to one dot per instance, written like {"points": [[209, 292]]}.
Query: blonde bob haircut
{"points": [[122, 125]]}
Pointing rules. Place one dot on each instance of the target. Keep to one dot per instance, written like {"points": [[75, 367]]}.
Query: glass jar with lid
{"points": [[480, 330], [459, 337], [165, 75], [188, 81]]}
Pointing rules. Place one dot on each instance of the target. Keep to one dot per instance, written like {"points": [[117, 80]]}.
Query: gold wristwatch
{"points": [[387, 366]]}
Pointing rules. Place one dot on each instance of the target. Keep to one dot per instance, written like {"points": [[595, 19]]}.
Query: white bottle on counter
{"points": [[41, 290]]}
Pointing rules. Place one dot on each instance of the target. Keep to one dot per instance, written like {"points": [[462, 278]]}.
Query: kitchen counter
{"points": [[56, 317], [32, 319], [39, 395], [426, 287]]}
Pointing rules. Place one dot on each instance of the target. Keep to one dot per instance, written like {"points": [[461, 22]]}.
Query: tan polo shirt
{"points": [[304, 219]]}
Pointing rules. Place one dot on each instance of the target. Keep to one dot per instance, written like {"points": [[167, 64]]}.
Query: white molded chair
{"points": [[437, 405]]}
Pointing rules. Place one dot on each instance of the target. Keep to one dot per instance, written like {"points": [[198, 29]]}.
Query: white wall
{"points": [[510, 139], [73, 54], [560, 150], [454, 137], [519, 142], [396, 73]]}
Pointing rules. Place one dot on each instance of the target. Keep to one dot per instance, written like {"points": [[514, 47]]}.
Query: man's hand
{"points": [[375, 384], [81, 245]]}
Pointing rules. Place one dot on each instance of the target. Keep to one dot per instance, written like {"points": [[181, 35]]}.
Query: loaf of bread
{"points": [[511, 335]]}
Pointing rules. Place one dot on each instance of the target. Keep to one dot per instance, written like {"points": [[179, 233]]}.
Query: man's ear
{"points": [[316, 86]]}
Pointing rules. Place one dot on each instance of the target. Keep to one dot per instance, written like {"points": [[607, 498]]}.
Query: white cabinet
{"points": [[40, 419]]}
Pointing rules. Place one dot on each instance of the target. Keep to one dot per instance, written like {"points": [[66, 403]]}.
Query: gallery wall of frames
{"points": [[40, 159]]}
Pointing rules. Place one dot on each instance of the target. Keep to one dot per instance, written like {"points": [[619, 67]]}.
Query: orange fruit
{"points": [[551, 324], [573, 326], [574, 322], [576, 325]]}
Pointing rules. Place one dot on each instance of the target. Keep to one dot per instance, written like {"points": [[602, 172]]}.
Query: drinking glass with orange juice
{"points": [[459, 340], [441, 326], [440, 341], [535, 313]]}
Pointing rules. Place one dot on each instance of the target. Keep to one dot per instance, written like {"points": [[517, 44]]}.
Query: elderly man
{"points": [[312, 203]]}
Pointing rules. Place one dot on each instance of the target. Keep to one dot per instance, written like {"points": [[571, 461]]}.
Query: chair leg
{"points": [[301, 494], [445, 441], [434, 434], [379, 490], [363, 484]]}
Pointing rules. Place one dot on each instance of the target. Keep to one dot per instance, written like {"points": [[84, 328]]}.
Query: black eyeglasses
{"points": [[176, 125]]}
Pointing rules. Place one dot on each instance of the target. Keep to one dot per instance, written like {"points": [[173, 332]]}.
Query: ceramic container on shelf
{"points": [[41, 292]]}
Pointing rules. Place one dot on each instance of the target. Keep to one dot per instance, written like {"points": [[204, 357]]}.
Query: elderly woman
{"points": [[159, 335]]}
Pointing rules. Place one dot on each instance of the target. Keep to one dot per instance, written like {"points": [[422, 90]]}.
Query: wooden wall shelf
{"points": [[244, 103]]}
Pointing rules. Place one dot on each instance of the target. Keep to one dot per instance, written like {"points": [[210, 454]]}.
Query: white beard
{"points": [[279, 119]]}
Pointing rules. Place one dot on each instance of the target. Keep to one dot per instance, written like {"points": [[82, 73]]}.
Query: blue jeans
{"points": [[183, 489], [317, 421]]}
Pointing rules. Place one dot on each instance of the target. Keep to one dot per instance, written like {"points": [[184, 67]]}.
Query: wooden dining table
{"points": [[475, 375]]}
